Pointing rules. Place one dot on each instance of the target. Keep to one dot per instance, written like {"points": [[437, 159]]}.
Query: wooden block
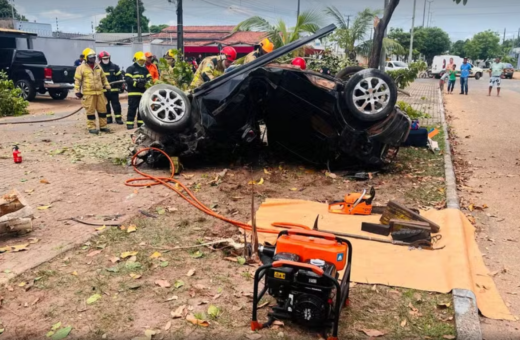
{"points": [[396, 225], [375, 228], [398, 211]]}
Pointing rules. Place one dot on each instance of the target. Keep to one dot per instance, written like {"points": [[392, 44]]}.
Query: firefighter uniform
{"points": [[252, 56], [113, 73], [265, 46], [136, 77], [89, 83], [206, 70]]}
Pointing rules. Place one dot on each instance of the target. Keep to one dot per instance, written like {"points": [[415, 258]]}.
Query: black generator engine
{"points": [[301, 273]]}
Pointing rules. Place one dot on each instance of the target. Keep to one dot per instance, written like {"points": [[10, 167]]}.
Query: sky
{"points": [[461, 22]]}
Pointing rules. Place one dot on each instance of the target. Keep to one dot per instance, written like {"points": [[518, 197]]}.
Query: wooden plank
{"points": [[396, 225], [395, 210]]}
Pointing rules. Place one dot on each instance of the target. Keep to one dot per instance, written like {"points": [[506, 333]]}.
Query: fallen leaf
{"points": [[373, 332], [44, 181], [196, 321], [178, 284], [444, 305], [93, 299], [56, 326], [216, 296], [188, 176], [254, 336], [266, 172], [19, 247], [164, 264], [175, 297], [241, 260], [44, 207], [135, 276], [190, 272], [94, 253], [178, 313], [49, 334], [160, 210], [214, 311], [149, 333], [448, 336], [197, 255], [403, 323], [260, 182], [294, 189], [131, 229], [114, 259], [163, 283], [22, 284], [155, 255], [167, 326], [172, 209], [33, 240], [237, 308], [35, 301], [75, 273], [62, 333], [126, 254], [471, 207], [101, 228], [331, 175]]}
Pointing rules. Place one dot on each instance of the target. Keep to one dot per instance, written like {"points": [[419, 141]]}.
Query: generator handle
{"points": [[338, 306], [260, 272], [311, 233], [315, 269]]}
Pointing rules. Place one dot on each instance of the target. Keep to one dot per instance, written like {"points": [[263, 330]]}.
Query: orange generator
{"points": [[302, 272]]}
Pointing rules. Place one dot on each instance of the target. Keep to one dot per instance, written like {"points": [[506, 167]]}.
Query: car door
{"points": [[6, 59]]}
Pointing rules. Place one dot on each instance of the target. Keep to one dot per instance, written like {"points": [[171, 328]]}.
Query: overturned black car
{"points": [[316, 117]]}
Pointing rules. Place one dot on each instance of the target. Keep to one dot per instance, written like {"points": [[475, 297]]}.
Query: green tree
{"points": [[123, 18], [347, 35], [431, 41], [158, 28], [458, 48], [6, 11], [483, 45], [279, 33]]}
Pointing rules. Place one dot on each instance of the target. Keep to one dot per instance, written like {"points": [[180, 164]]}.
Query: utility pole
{"points": [[298, 12], [12, 13], [424, 13], [180, 29], [139, 36], [57, 29], [518, 37], [429, 13], [382, 61], [348, 21], [411, 33], [504, 38]]}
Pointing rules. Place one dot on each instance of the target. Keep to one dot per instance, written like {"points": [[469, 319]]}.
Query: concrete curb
{"points": [[467, 321]]}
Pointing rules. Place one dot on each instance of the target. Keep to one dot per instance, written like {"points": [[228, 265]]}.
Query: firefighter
{"points": [[113, 73], [136, 77], [265, 46], [300, 62], [206, 69], [170, 57], [89, 83], [151, 67]]}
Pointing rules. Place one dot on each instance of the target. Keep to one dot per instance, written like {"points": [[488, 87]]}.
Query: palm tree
{"points": [[279, 33], [389, 47], [348, 35]]}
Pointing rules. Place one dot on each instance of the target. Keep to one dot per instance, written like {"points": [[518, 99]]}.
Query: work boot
{"points": [[119, 121], [94, 132], [105, 129], [129, 126], [109, 120]]}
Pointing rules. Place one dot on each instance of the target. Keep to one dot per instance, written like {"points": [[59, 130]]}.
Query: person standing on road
{"points": [[89, 83], [113, 73], [151, 67], [465, 70], [496, 73], [453, 78], [80, 60], [136, 77]]}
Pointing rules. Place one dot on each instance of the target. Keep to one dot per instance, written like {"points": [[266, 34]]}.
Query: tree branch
{"points": [[379, 34]]}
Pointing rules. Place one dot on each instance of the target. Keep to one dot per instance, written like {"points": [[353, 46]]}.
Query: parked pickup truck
{"points": [[30, 72]]}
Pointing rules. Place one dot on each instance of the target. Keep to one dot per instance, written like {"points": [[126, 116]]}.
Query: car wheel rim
{"points": [[25, 90], [167, 106], [371, 95]]}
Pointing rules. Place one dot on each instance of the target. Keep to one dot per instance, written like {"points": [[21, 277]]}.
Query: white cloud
{"points": [[56, 13]]}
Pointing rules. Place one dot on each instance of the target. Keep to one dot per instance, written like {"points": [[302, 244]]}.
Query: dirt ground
{"points": [[487, 157], [98, 295]]}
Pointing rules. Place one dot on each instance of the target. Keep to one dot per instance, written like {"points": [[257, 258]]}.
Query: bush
{"points": [[332, 62], [403, 78], [11, 102], [180, 75], [410, 111]]}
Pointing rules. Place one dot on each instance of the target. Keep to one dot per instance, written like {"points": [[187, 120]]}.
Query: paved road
{"points": [[488, 137]]}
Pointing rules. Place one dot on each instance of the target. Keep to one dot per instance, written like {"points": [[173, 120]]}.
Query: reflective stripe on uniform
{"points": [[107, 73], [134, 76], [135, 84], [118, 73], [117, 116], [115, 90], [140, 122], [130, 123], [135, 94]]}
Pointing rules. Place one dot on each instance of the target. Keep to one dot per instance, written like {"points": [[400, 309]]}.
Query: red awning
{"points": [[214, 49]]}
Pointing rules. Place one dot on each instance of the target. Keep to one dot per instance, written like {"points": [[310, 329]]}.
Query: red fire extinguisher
{"points": [[17, 154]]}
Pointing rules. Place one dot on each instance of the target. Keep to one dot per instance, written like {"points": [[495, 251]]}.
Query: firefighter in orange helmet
{"points": [[300, 62], [265, 46], [209, 65], [152, 68]]}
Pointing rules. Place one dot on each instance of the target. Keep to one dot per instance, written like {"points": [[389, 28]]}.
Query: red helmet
{"points": [[103, 54], [230, 53], [299, 62]]}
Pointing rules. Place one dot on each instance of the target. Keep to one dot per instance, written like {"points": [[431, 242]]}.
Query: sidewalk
{"points": [[424, 97]]}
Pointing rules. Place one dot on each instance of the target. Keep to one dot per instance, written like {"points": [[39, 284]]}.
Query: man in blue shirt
{"points": [[465, 70]]}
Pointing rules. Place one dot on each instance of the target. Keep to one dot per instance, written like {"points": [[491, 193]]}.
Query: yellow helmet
{"points": [[139, 56], [267, 45], [89, 53], [171, 53]]}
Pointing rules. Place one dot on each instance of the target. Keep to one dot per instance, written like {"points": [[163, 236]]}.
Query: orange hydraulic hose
{"points": [[150, 180]]}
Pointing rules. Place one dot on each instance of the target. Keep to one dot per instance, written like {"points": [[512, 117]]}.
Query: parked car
{"points": [[441, 61], [319, 118], [395, 65], [509, 71], [30, 72]]}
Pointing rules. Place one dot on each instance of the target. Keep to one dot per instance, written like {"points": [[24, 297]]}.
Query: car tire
{"points": [[165, 108], [59, 94], [348, 72], [366, 104], [28, 90], [477, 76]]}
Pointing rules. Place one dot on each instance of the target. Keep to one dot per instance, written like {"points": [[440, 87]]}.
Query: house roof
{"points": [[111, 37], [200, 29], [10, 33], [207, 38]]}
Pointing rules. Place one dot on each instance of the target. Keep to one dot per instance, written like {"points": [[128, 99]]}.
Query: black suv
{"points": [[30, 72], [319, 118]]}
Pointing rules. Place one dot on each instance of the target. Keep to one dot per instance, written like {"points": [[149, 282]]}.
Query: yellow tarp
{"points": [[458, 265]]}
